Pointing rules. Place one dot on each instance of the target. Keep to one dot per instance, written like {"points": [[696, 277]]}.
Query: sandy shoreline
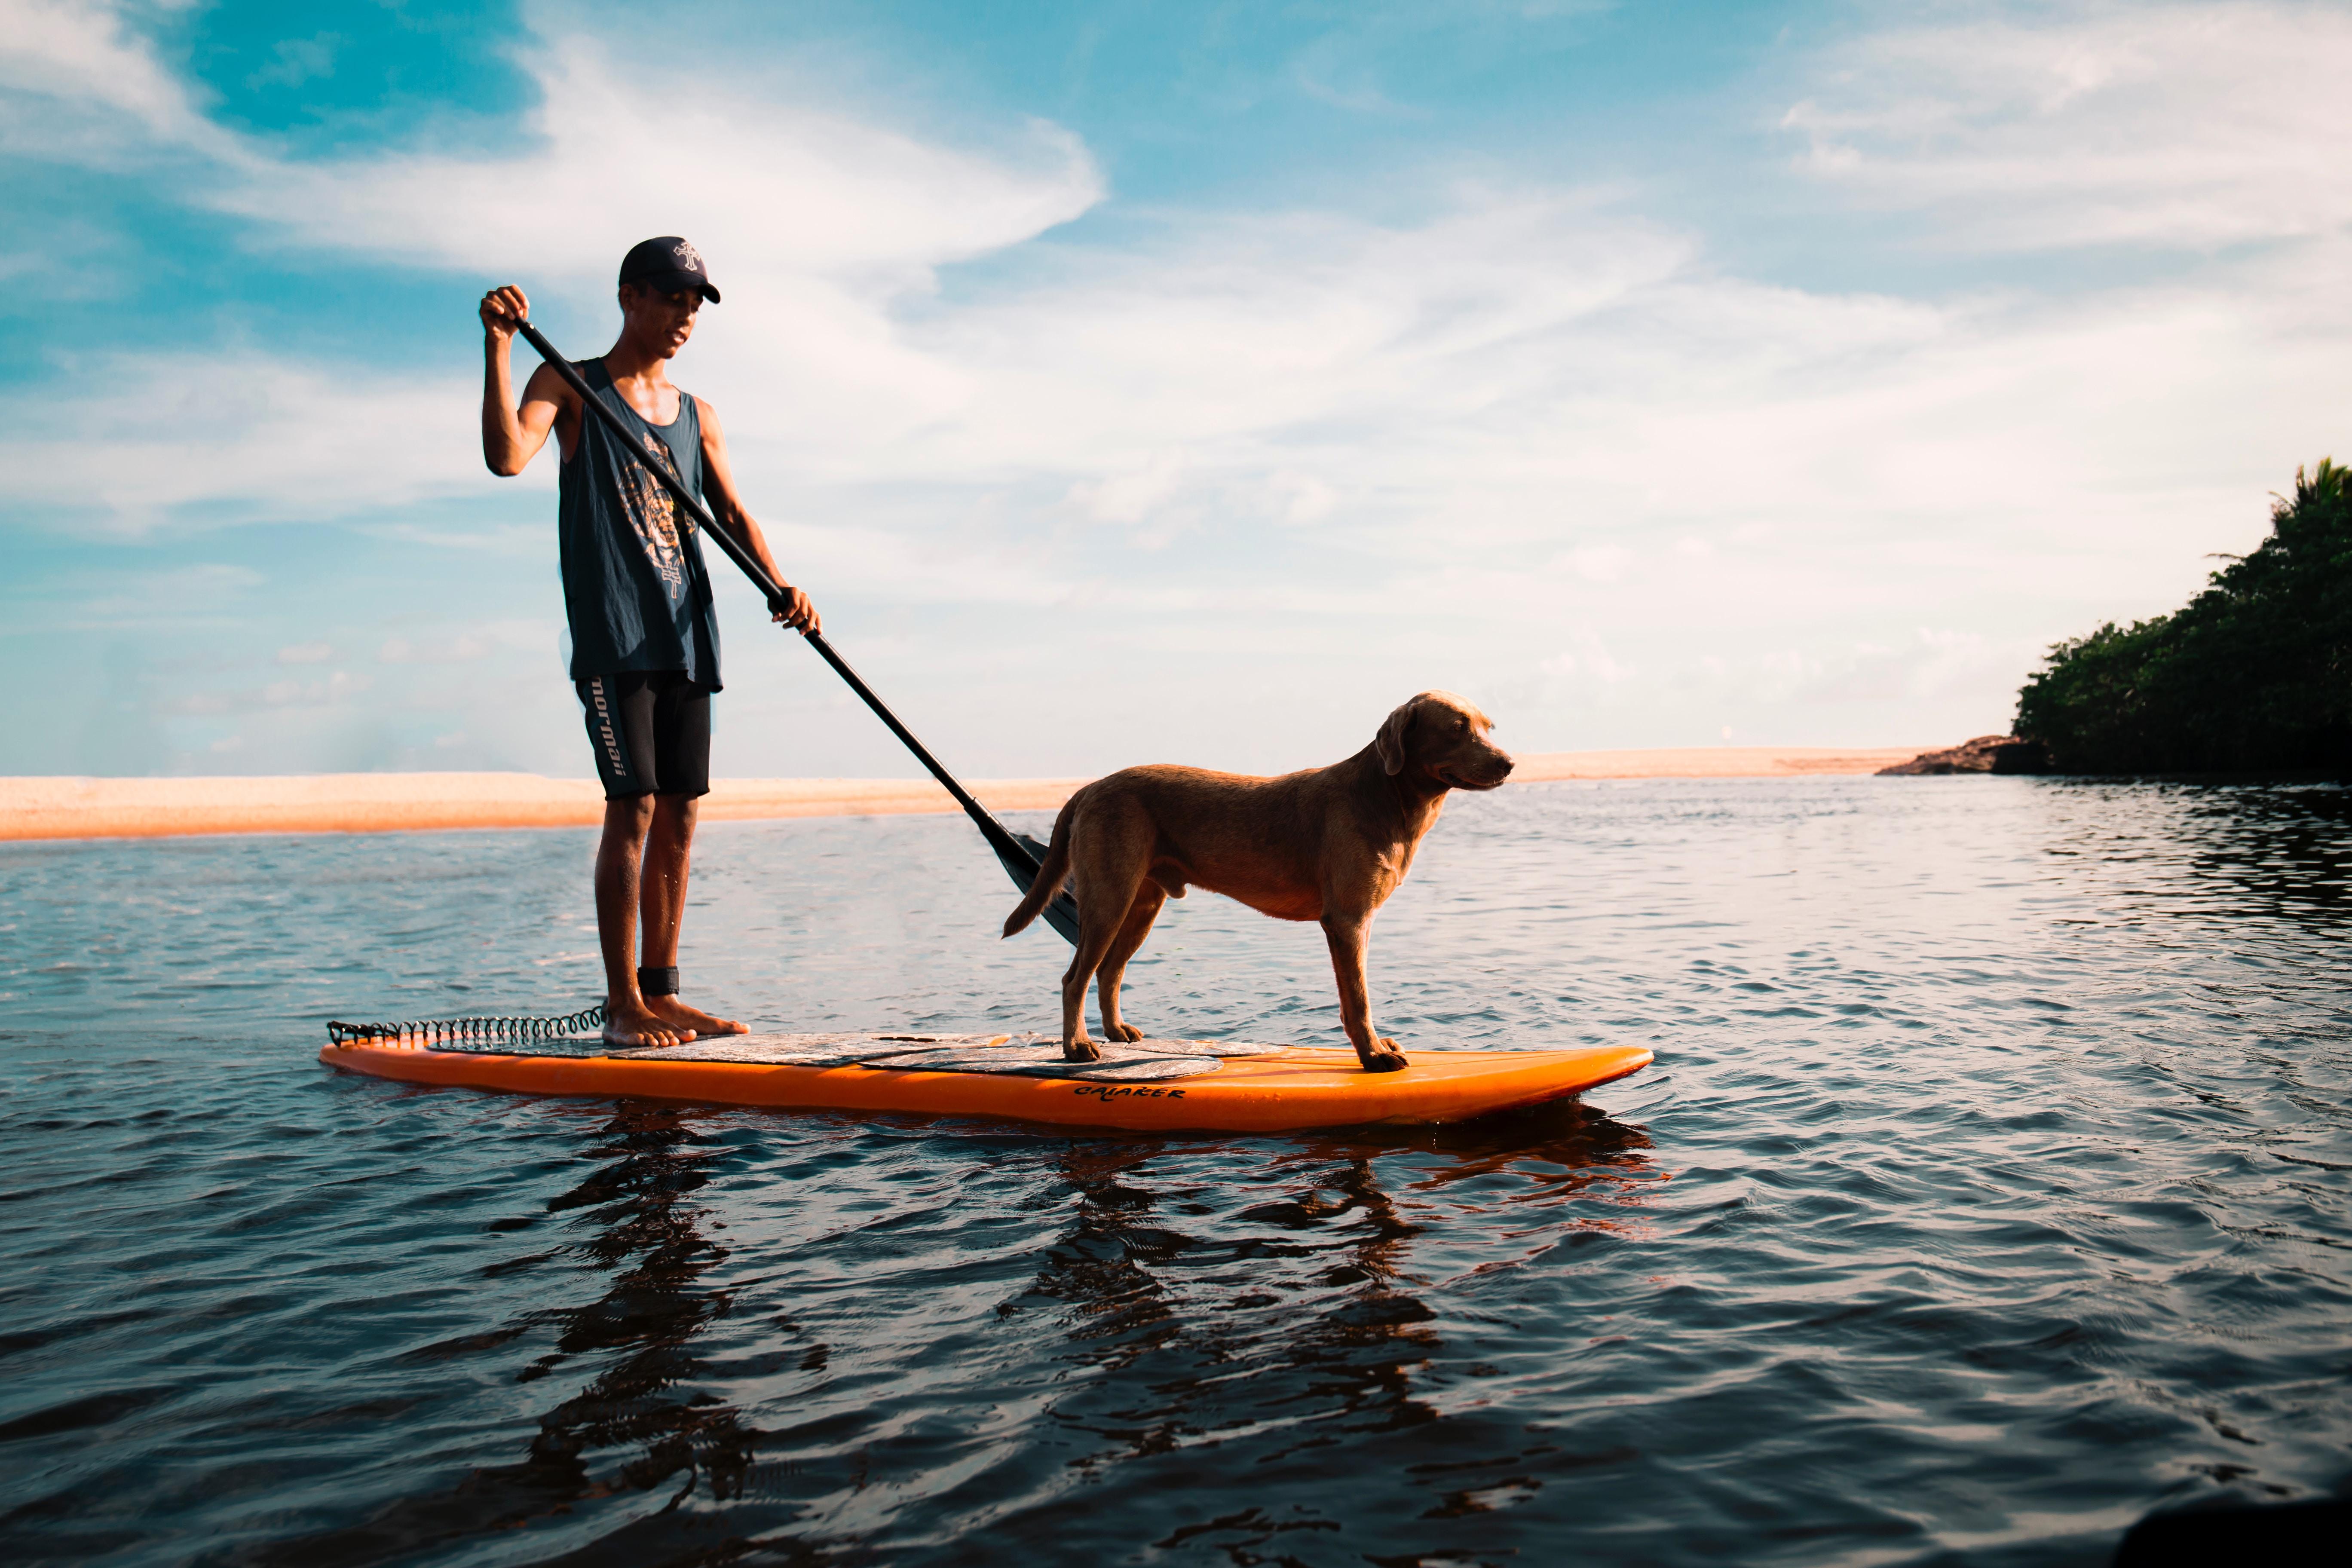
{"points": [[390, 802]]}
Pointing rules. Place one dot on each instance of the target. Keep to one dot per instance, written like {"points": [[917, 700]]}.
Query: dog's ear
{"points": [[1388, 744]]}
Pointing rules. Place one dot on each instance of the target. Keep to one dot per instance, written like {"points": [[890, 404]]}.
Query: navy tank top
{"points": [[634, 587]]}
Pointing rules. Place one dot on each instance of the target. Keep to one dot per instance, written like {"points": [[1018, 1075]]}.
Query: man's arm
{"points": [[727, 506], [512, 436]]}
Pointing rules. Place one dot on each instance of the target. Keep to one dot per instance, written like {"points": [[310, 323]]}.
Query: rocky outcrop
{"points": [[1985, 754]]}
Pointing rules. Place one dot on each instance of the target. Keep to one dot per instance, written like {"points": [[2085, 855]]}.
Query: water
{"points": [[1989, 1191]]}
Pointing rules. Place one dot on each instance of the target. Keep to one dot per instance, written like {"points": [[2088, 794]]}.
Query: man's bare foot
{"points": [[692, 1022], [640, 1027]]}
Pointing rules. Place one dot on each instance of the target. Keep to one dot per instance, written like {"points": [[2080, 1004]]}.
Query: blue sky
{"points": [[1159, 382]]}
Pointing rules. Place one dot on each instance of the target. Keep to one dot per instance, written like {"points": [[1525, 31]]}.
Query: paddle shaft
{"points": [[1008, 848]]}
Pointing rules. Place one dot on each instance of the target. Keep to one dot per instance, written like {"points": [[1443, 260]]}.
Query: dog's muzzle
{"points": [[1491, 778]]}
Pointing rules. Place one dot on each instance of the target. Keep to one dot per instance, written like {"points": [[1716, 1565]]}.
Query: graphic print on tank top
{"points": [[654, 510], [635, 590]]}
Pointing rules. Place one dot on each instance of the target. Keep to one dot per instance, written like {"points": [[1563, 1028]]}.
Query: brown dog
{"points": [[1328, 845]]}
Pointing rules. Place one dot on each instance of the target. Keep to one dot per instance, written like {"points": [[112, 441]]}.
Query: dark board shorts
{"points": [[650, 730]]}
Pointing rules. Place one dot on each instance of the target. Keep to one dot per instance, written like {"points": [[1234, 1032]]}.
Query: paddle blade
{"points": [[1022, 860]]}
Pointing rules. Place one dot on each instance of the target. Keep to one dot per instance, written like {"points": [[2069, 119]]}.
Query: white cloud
{"points": [[1302, 498], [1532, 437], [76, 82], [2190, 125], [294, 61], [1598, 563], [331, 691], [176, 597], [1133, 495], [1929, 665], [1527, 368], [1586, 662], [775, 190], [819, 225], [155, 433], [462, 647]]}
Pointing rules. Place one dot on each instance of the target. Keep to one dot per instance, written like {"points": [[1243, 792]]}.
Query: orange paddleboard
{"points": [[1152, 1085]]}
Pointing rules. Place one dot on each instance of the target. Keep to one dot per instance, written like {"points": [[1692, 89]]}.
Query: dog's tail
{"points": [[1050, 876]]}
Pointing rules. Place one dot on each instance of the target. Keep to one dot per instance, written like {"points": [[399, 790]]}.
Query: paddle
{"points": [[1019, 854]]}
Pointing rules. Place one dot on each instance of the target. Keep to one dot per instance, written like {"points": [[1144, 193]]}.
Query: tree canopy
{"points": [[2253, 675]]}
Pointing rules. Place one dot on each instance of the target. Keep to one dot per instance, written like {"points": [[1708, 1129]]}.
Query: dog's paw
{"points": [[1388, 1059], [1125, 1034], [1081, 1051]]}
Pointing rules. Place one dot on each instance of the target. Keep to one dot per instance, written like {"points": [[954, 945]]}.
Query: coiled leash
{"points": [[432, 1031], [652, 980]]}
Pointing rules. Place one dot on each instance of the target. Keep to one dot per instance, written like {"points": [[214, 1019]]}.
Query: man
{"points": [[645, 643]]}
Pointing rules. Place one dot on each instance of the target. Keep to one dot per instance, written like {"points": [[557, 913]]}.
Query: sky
{"points": [[1157, 382]]}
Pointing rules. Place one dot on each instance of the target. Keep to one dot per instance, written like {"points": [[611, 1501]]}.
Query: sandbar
{"points": [[68, 807]]}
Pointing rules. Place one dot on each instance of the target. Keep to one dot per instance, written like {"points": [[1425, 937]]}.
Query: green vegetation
{"points": [[2253, 675]]}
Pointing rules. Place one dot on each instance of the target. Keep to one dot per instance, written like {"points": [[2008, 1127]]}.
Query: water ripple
{"points": [[1989, 1190]]}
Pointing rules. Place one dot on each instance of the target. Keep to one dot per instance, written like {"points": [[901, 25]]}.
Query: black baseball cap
{"points": [[668, 266]]}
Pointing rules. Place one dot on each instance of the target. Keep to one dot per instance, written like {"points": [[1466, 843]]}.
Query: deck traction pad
{"points": [[1027, 1055]]}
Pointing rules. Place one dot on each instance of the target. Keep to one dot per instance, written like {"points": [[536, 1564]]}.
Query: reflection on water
{"points": [[2266, 854], [1193, 1294], [1292, 1307], [2287, 850], [639, 1408], [1990, 1190]]}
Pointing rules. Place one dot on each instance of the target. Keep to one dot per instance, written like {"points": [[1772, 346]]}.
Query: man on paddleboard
{"points": [[644, 642]]}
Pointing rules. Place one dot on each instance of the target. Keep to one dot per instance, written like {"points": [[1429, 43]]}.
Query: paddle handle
{"points": [[1008, 848]]}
